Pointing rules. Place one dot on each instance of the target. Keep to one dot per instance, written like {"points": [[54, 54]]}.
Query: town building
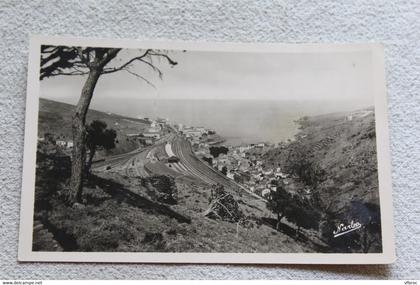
{"points": [[154, 135]]}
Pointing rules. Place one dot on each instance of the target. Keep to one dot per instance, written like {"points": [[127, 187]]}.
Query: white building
{"points": [[265, 193], [151, 135], [230, 175], [133, 135], [155, 127], [202, 130], [244, 148], [61, 143], [192, 133], [66, 144]]}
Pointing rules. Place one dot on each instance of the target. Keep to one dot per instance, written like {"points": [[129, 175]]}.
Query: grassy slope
{"points": [[55, 118], [121, 214]]}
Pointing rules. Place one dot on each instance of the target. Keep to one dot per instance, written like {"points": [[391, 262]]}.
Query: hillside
{"points": [[127, 214], [339, 151], [334, 157], [130, 209], [55, 118], [139, 201]]}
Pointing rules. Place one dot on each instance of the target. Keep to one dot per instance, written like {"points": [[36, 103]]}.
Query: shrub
{"points": [[215, 151], [166, 188], [223, 206], [53, 168], [296, 209]]}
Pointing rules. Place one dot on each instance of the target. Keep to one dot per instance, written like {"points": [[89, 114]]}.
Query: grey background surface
{"points": [[394, 23]]}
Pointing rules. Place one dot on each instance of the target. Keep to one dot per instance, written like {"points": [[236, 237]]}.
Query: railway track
{"points": [[201, 170], [140, 163]]}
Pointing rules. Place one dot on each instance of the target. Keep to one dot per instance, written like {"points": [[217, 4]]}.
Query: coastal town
{"points": [[242, 164]]}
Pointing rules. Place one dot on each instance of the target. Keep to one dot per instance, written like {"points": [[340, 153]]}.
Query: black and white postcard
{"points": [[174, 152]]}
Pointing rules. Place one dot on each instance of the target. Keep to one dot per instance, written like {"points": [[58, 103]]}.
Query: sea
{"points": [[237, 121]]}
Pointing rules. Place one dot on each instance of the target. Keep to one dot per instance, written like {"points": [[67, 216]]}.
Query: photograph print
{"points": [[155, 150]]}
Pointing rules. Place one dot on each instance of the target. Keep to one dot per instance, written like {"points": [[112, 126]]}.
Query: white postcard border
{"points": [[25, 253]]}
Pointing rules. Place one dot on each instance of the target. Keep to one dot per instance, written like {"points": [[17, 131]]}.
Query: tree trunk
{"points": [[89, 162], [279, 217], [79, 136]]}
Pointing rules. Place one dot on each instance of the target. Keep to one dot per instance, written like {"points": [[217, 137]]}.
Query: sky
{"points": [[323, 77]]}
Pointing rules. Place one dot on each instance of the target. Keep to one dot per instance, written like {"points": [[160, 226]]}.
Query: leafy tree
{"points": [[98, 137], [302, 214], [301, 163], [215, 151], [209, 160], [278, 203], [93, 63], [224, 170], [296, 209], [166, 187], [223, 206]]}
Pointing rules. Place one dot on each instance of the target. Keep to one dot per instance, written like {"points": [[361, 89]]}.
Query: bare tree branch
{"points": [[61, 60], [126, 67], [115, 69], [171, 62], [154, 67], [139, 76], [148, 52]]}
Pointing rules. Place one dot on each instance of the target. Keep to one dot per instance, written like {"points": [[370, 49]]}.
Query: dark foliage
{"points": [[223, 206], [296, 209], [70, 60], [98, 138], [209, 160], [224, 170], [166, 187], [53, 167], [57, 59], [369, 216], [302, 213], [366, 239], [300, 163], [215, 151]]}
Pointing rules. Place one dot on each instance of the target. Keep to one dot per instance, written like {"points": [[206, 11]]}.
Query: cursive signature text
{"points": [[344, 229]]}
